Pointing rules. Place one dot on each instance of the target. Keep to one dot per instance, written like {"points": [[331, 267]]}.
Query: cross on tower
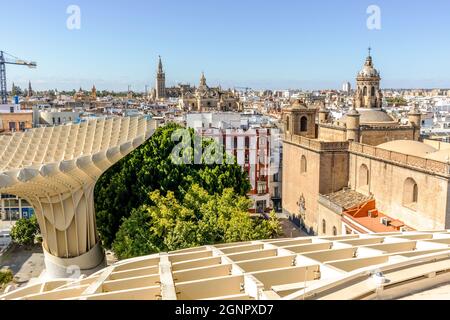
{"points": [[370, 49]]}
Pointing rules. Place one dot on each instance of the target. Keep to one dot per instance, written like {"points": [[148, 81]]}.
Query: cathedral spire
{"points": [[30, 90], [160, 66], [203, 80]]}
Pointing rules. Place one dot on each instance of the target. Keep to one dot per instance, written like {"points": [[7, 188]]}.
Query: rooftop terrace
{"points": [[384, 265]]}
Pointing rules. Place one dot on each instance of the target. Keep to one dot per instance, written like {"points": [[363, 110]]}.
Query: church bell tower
{"points": [[160, 81]]}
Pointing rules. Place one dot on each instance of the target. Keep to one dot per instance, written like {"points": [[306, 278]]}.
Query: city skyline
{"points": [[294, 45]]}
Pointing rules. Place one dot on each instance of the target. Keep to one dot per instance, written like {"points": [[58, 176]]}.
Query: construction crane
{"points": [[3, 62]]}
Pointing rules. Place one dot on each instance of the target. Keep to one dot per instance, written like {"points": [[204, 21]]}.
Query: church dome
{"points": [[368, 71], [299, 104], [372, 116], [409, 147]]}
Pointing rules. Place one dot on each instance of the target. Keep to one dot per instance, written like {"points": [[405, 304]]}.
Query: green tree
{"points": [[52, 94], [396, 101], [16, 91], [126, 185], [25, 231], [6, 276], [198, 219]]}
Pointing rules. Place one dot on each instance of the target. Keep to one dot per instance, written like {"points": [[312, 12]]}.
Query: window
{"points": [[287, 123], [235, 142], [365, 91], [324, 227], [276, 192], [11, 109], [262, 142], [372, 92], [262, 159], [334, 231], [276, 177], [303, 165], [262, 187], [410, 192], [363, 176], [247, 142], [21, 126], [303, 124], [12, 126]]}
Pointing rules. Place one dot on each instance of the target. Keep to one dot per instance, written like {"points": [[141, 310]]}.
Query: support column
{"points": [[70, 240]]}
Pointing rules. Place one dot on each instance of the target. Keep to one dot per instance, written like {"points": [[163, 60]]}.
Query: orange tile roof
{"points": [[360, 216]]}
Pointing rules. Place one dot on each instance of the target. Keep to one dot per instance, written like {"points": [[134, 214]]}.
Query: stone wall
{"points": [[330, 133], [439, 145], [298, 185], [375, 136], [332, 219], [427, 165], [386, 183], [327, 172]]}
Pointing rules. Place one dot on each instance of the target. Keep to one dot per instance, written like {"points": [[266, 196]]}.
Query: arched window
{"points": [[288, 120], [365, 91], [334, 231], [410, 192], [324, 226], [303, 124], [372, 92], [303, 165], [363, 179], [415, 193]]}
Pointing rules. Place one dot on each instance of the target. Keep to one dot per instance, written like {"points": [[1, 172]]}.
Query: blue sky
{"points": [[251, 43]]}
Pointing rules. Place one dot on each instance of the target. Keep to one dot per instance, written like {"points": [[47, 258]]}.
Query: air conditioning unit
{"points": [[385, 221], [373, 213]]}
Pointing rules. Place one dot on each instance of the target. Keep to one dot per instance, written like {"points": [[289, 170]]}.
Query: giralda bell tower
{"points": [[160, 82]]}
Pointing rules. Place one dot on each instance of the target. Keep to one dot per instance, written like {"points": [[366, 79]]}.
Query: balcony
{"points": [[262, 187]]}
